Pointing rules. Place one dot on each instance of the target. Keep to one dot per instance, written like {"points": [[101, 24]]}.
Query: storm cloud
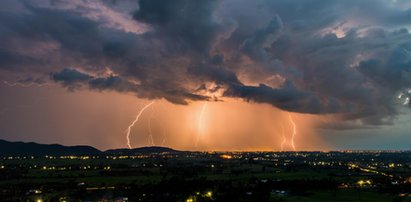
{"points": [[306, 56]]}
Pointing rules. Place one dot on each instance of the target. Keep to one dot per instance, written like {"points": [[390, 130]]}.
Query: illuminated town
{"points": [[208, 176]]}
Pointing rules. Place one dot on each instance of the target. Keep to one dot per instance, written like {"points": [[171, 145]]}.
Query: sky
{"points": [[207, 75]]}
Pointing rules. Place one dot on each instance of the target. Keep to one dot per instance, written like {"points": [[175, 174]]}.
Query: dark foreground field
{"points": [[195, 176]]}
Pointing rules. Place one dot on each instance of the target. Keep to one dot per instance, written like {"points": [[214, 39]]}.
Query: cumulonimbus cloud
{"points": [[303, 56]]}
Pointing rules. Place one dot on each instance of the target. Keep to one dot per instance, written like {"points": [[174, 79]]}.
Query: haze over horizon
{"points": [[207, 75]]}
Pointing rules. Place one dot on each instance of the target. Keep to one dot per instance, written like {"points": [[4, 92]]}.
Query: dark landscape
{"points": [[163, 174]]}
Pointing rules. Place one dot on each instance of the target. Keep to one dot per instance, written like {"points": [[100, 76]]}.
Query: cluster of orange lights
{"points": [[226, 156]]}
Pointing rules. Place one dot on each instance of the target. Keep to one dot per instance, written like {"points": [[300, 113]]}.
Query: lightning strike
{"points": [[150, 131], [134, 122], [164, 137], [162, 125], [294, 131], [26, 85], [200, 125], [150, 134]]}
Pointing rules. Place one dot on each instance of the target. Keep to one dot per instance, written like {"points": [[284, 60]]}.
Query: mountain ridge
{"points": [[19, 148]]}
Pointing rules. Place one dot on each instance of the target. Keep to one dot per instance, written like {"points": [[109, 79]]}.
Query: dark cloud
{"points": [[185, 24], [216, 74], [308, 56], [71, 78], [287, 97], [255, 45]]}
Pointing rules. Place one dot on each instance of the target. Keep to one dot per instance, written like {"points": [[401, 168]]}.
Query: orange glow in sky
{"points": [[227, 125], [101, 118]]}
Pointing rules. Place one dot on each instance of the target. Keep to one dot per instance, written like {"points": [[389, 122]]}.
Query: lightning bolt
{"points": [[150, 135], [12, 84], [134, 122], [200, 125], [164, 137], [25, 85], [162, 125], [294, 131]]}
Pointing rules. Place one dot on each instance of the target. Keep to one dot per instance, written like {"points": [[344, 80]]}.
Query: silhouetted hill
{"points": [[141, 150], [34, 149], [30, 148]]}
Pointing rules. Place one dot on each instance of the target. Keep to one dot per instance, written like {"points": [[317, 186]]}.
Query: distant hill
{"points": [[8, 148], [141, 150], [35, 149]]}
